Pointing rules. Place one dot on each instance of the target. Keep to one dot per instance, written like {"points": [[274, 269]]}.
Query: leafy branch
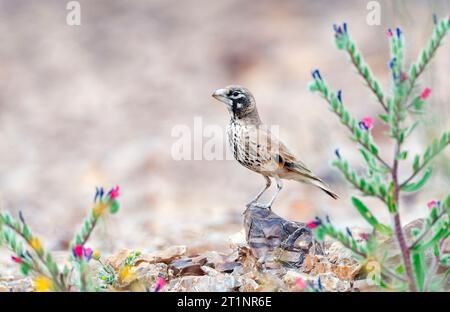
{"points": [[344, 42], [35, 259], [430, 152], [335, 102], [382, 180], [440, 31]]}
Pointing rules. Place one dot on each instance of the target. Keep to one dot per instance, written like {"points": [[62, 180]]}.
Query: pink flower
{"points": [[313, 224], [17, 259], [364, 236], [160, 283], [431, 204], [366, 123], [300, 283], [114, 193], [425, 94], [78, 251], [88, 253], [389, 33], [403, 76]]}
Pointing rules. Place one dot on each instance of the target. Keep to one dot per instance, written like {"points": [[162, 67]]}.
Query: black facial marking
{"points": [[241, 103]]}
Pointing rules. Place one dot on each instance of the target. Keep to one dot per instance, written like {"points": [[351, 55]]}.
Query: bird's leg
{"points": [[279, 187], [268, 183]]}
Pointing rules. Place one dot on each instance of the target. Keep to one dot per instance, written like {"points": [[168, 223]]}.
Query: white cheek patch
{"points": [[239, 105], [235, 97]]}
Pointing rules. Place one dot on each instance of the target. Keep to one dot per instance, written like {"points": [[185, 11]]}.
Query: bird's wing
{"points": [[277, 156], [273, 153]]}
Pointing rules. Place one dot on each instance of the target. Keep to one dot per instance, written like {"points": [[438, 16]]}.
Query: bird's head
{"points": [[239, 100]]}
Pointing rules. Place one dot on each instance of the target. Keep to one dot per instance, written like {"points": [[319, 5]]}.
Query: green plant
{"points": [[382, 178], [35, 260]]}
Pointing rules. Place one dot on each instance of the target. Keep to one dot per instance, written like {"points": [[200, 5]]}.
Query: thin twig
{"points": [[397, 223]]}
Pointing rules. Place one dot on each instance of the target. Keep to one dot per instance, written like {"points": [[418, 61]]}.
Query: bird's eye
{"points": [[235, 93]]}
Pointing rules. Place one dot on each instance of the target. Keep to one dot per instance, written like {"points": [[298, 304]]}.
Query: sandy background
{"points": [[96, 104]]}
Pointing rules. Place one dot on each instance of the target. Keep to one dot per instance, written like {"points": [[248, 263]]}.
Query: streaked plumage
{"points": [[256, 148]]}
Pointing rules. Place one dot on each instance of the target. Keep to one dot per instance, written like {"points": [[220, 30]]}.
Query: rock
{"points": [[365, 285], [332, 283], [227, 267], [117, 259], [188, 266], [389, 249], [343, 264], [143, 276], [315, 265], [14, 284], [274, 239], [166, 255], [417, 224], [238, 240], [338, 253], [291, 277], [223, 263], [217, 283]]}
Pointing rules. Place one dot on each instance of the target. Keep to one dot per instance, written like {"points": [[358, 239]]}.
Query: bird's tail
{"points": [[306, 176], [320, 184]]}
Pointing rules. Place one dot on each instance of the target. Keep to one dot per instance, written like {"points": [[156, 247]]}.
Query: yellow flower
{"points": [[43, 284], [98, 209], [126, 274], [36, 245], [96, 255]]}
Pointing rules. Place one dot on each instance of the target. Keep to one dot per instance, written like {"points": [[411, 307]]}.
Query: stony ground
{"points": [[96, 105]]}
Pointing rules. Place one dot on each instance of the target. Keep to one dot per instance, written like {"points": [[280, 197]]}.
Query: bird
{"points": [[255, 147]]}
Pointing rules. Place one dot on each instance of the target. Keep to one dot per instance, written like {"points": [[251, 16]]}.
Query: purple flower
{"points": [[339, 95], [337, 153], [349, 233], [340, 30], [366, 123], [399, 32], [316, 74], [319, 283], [88, 253], [21, 217], [392, 63], [99, 192]]}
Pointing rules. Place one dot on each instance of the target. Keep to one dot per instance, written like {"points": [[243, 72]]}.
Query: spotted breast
{"points": [[246, 145]]}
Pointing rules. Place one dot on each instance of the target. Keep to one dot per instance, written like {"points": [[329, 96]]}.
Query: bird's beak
{"points": [[221, 95]]}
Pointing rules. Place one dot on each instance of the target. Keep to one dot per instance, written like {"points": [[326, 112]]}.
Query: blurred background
{"points": [[95, 105]]}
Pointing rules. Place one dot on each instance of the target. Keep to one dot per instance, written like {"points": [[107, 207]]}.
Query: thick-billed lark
{"points": [[257, 149]]}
